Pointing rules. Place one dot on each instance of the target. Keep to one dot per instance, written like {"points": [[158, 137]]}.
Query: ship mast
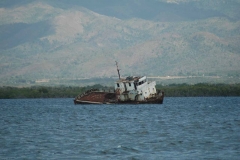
{"points": [[118, 70]]}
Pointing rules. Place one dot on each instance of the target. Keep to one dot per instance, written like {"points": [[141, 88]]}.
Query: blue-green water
{"points": [[181, 128]]}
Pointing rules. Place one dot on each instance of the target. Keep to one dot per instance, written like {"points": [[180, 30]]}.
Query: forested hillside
{"points": [[47, 39]]}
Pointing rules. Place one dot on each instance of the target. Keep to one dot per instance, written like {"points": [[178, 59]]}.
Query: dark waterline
{"points": [[181, 128]]}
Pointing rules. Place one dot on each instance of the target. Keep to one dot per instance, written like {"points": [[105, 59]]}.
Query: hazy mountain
{"points": [[75, 39]]}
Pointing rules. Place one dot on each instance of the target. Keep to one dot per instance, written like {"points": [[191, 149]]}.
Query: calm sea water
{"points": [[181, 128]]}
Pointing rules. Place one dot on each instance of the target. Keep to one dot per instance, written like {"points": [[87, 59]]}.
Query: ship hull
{"points": [[119, 102], [96, 97]]}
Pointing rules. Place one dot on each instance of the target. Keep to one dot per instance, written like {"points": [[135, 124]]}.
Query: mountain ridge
{"points": [[40, 40]]}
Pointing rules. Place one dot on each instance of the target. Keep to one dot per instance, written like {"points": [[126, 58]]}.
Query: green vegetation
{"points": [[200, 90], [43, 92], [173, 90]]}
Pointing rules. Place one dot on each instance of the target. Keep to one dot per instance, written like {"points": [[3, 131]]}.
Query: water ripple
{"points": [[181, 128]]}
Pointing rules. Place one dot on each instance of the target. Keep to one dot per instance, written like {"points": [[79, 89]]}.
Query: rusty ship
{"points": [[129, 90]]}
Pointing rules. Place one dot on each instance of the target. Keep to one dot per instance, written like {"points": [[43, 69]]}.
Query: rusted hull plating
{"points": [[96, 97]]}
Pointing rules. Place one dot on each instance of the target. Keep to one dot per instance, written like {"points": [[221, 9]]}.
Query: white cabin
{"points": [[135, 89]]}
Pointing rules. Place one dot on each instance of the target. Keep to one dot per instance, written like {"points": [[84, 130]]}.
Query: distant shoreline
{"points": [[172, 90]]}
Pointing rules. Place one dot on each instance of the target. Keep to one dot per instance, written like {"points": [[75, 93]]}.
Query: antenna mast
{"points": [[118, 70]]}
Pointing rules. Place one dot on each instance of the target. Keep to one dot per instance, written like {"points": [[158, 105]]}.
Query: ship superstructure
{"points": [[135, 89]]}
